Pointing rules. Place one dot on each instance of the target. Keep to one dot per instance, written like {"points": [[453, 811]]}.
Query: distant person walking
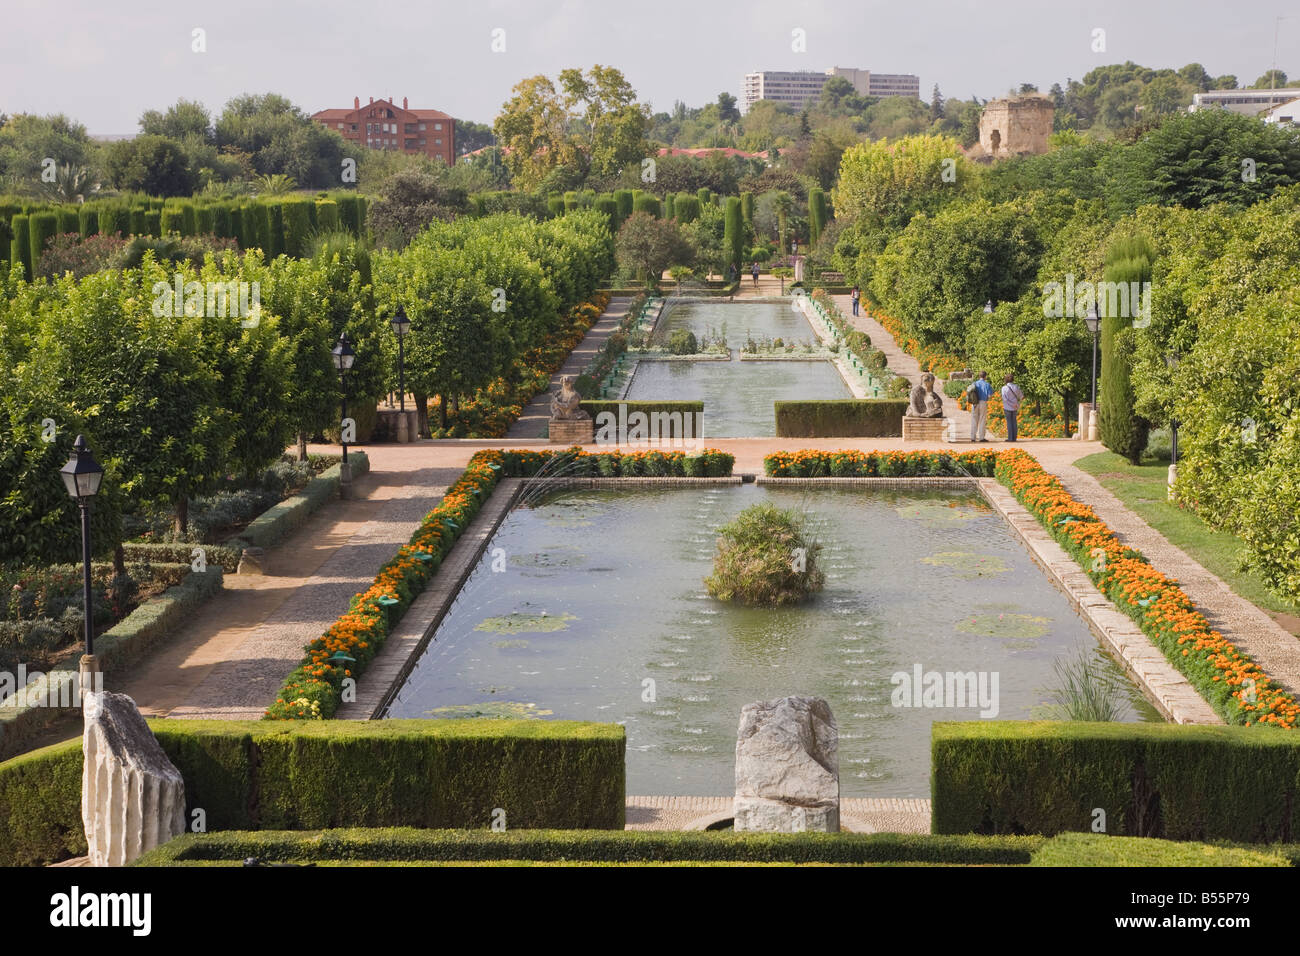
{"points": [[753, 270], [856, 296], [1011, 398], [979, 393]]}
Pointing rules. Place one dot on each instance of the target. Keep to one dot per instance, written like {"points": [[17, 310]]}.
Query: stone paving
{"points": [[857, 814], [537, 413]]}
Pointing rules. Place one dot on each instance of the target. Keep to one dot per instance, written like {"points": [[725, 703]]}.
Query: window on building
{"points": [[437, 142], [421, 127], [408, 128], [437, 126]]}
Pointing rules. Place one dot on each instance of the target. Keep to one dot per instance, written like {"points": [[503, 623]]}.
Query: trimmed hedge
{"points": [[1092, 849], [42, 227], [181, 553], [428, 773], [627, 846], [669, 427], [40, 806], [1179, 782], [879, 464], [272, 525], [841, 418], [20, 246]]}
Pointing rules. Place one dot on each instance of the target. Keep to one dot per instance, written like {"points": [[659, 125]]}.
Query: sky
{"points": [[103, 64]]}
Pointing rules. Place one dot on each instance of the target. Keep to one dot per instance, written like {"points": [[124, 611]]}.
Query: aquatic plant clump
{"points": [[765, 558]]}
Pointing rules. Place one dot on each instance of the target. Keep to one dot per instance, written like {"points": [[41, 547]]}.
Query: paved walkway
{"points": [[230, 659], [901, 362], [537, 413]]}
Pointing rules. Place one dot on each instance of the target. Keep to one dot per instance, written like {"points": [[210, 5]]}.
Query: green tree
{"points": [[886, 183], [1123, 431], [734, 234], [646, 246], [1272, 79], [185, 118], [1195, 159], [150, 164]]}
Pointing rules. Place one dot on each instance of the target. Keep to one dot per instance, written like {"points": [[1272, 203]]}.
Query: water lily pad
{"points": [[1006, 625], [556, 558], [516, 644], [938, 512], [500, 710], [526, 623], [968, 564]]}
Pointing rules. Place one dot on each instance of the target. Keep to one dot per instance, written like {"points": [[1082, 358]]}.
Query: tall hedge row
{"points": [[1181, 782], [251, 775], [841, 418]]}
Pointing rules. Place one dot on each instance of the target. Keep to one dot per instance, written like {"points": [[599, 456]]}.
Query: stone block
{"points": [[572, 431], [787, 766]]}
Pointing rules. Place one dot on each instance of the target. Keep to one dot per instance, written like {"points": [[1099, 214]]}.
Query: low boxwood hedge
{"points": [[617, 846], [672, 419], [1179, 782], [257, 774], [1090, 849], [277, 521], [182, 553], [841, 418]]}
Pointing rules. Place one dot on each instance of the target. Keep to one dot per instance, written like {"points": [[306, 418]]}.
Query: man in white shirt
{"points": [[1011, 398]]}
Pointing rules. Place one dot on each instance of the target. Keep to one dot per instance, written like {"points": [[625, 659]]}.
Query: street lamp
{"points": [[1172, 360], [82, 476], [344, 357], [401, 325], [1093, 321]]}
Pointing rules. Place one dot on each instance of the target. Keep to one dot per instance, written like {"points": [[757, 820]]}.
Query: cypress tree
{"points": [[647, 202], [20, 247], [687, 208], [733, 237], [88, 221], [747, 209], [1122, 430], [43, 226], [555, 205]]}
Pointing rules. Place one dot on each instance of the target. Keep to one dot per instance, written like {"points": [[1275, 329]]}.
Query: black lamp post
{"points": [[1093, 321], [401, 325], [344, 357], [1172, 360], [82, 476]]}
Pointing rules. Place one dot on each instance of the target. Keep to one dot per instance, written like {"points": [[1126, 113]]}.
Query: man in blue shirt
{"points": [[979, 394]]}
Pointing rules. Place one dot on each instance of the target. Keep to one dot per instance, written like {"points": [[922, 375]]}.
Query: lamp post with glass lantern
{"points": [[1093, 321], [82, 476], [344, 357], [1171, 361], [401, 325]]}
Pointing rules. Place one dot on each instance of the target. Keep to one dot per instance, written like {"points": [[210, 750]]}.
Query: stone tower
{"points": [[1016, 126]]}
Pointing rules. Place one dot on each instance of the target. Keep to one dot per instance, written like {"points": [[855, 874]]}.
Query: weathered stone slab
{"points": [[787, 766], [132, 796]]}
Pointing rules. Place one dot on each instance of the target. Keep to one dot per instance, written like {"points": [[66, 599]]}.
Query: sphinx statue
{"points": [[925, 401], [564, 403]]}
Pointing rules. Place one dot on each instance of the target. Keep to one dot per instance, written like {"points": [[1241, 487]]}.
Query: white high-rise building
{"points": [[797, 88]]}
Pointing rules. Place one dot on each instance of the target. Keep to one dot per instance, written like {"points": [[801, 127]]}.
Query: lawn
{"points": [[1144, 489]]}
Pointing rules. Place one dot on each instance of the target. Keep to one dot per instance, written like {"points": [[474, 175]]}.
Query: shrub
{"points": [[682, 342], [840, 418], [647, 203], [297, 225], [876, 359], [765, 558], [1123, 431], [88, 222]]}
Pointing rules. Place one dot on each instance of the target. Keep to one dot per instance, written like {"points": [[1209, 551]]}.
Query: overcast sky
{"points": [[104, 63]]}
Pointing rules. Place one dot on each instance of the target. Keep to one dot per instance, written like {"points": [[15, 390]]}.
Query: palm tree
{"points": [[72, 183], [276, 184]]}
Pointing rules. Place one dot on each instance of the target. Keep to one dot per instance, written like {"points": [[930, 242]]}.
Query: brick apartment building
{"points": [[382, 124]]}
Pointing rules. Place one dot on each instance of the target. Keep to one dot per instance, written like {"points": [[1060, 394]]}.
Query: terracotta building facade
{"points": [[382, 124]]}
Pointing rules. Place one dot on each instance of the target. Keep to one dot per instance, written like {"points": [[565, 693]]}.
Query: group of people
{"points": [[978, 394]]}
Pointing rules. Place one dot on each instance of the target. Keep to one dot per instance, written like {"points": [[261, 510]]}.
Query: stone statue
{"points": [[564, 403], [926, 402]]}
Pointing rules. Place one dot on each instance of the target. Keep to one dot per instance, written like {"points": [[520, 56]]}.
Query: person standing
{"points": [[979, 393], [856, 297], [753, 270], [1011, 398]]}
